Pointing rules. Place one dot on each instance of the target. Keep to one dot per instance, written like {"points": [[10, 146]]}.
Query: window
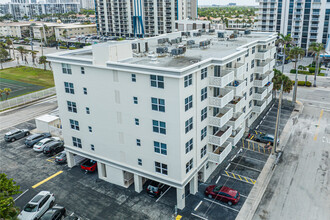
{"points": [[76, 142], [244, 109], [188, 80], [158, 104], [140, 162], [135, 100], [251, 91], [74, 124], [253, 51], [87, 111], [203, 133], [133, 78], [69, 87], [252, 64], [189, 125], [66, 68], [189, 145], [238, 59], [138, 142], [92, 147], [203, 113], [159, 127], [188, 103], [247, 67], [72, 107], [161, 168], [203, 73], [160, 148], [90, 129], [82, 70], [189, 165], [251, 77], [157, 81], [203, 93], [247, 53], [203, 151], [137, 121], [85, 91]]}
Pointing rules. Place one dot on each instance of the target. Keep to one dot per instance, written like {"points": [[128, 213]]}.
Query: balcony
{"points": [[238, 86], [221, 136], [313, 31], [263, 67], [269, 98], [239, 70], [317, 2], [272, 64], [237, 135], [297, 19], [236, 120], [259, 106], [270, 74], [272, 51], [226, 77], [313, 37], [315, 19], [270, 87], [260, 81], [220, 153], [260, 94], [237, 103], [262, 54], [226, 95], [314, 25], [221, 118]]}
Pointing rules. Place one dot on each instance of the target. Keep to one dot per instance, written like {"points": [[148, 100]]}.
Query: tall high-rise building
{"points": [[306, 20], [142, 18]]}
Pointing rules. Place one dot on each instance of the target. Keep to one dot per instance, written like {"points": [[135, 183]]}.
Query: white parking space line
{"points": [[216, 182], [254, 159], [72, 214], [243, 196], [222, 205], [199, 216], [198, 205], [268, 126], [246, 167], [227, 166], [21, 195], [163, 194]]}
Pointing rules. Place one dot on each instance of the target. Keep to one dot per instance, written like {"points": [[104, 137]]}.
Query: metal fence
{"points": [[26, 98]]}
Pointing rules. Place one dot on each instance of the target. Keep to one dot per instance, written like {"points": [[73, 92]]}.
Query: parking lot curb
{"points": [[252, 202]]}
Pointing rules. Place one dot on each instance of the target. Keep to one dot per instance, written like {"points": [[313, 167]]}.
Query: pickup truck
{"points": [[89, 165]]}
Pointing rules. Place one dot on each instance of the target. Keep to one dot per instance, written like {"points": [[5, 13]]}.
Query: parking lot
{"points": [[240, 171]]}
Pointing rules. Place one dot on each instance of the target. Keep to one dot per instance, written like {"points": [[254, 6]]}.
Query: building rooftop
{"points": [[148, 52]]}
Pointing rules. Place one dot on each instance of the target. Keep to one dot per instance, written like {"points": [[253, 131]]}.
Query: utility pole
{"points": [[283, 59], [294, 98], [277, 120]]}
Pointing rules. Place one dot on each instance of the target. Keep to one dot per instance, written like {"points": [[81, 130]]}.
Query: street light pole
{"points": [[283, 59], [277, 120], [295, 83]]}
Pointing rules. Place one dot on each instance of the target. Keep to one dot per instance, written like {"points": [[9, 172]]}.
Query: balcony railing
{"points": [[259, 106], [220, 153], [226, 76], [260, 81], [270, 87], [237, 103], [262, 54], [239, 70], [237, 135], [263, 67], [221, 136], [238, 86], [226, 95], [260, 94], [270, 74], [236, 120], [221, 118], [269, 98]]}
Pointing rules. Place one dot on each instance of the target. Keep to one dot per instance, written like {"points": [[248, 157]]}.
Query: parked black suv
{"points": [[53, 148], [155, 189], [35, 138]]}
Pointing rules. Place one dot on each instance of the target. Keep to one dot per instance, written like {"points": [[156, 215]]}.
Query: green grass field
{"points": [[29, 75]]}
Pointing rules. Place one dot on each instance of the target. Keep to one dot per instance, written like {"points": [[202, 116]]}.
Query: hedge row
{"points": [[305, 72], [302, 83]]}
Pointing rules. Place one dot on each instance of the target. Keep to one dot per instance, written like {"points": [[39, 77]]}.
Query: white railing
{"points": [[220, 140], [271, 76], [270, 87], [259, 108], [237, 104], [222, 118], [269, 98], [220, 153], [260, 95], [263, 55], [261, 81], [222, 100], [272, 64], [21, 100], [234, 139], [238, 120], [226, 77], [238, 90], [239, 70]]}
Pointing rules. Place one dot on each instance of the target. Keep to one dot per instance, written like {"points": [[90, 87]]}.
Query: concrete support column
{"points": [[70, 159], [194, 185], [180, 198], [138, 184]]}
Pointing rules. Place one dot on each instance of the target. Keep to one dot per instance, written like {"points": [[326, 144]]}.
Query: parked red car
{"points": [[89, 165], [223, 193]]}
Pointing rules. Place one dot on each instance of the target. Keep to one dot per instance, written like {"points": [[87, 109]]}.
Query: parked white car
{"points": [[39, 147], [37, 206]]}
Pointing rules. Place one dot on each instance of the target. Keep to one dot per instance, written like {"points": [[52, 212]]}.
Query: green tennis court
{"points": [[18, 88]]}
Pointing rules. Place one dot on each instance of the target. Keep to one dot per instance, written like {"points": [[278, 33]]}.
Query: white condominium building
{"points": [[306, 20], [167, 108], [141, 18]]}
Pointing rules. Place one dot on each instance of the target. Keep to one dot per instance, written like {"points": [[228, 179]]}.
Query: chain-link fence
{"points": [[26, 98]]}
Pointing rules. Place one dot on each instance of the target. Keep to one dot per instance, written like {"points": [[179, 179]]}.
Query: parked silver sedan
{"points": [[16, 134]]}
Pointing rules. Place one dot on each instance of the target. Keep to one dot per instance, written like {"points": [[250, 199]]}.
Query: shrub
{"points": [[72, 48], [63, 47], [301, 67], [293, 71], [302, 83], [308, 84]]}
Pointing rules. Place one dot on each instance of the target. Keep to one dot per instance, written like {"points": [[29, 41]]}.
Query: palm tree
{"points": [[285, 41], [3, 55], [1, 91], [43, 60], [7, 91], [34, 55], [295, 54], [317, 49], [21, 50], [280, 78], [9, 42]]}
